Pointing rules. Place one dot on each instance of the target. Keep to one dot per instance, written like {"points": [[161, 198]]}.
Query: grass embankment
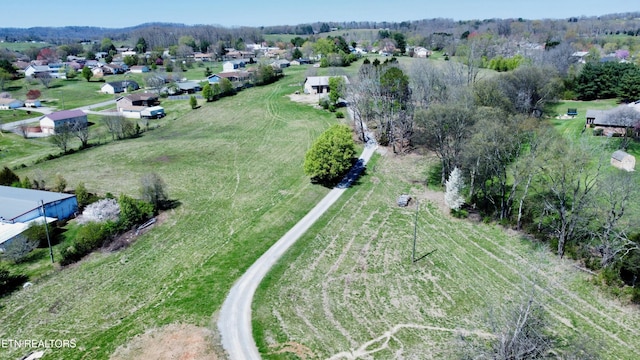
{"points": [[348, 288], [234, 165]]}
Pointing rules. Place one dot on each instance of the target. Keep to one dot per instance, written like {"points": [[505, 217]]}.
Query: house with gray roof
{"points": [[319, 84], [22, 206], [116, 87], [613, 121]]}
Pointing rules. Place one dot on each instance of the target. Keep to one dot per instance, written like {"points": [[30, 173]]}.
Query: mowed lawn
{"points": [[235, 167], [348, 289]]}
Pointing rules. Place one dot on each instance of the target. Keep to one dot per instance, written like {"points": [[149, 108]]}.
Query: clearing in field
{"points": [[348, 289]]}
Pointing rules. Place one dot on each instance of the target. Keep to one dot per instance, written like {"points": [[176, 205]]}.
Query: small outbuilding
{"points": [[623, 160], [403, 200]]}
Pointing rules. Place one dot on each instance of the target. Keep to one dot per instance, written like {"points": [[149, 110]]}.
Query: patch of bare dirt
{"points": [[309, 99], [125, 239], [171, 342]]}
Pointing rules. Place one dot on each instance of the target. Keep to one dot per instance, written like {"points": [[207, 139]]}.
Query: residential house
{"points": [[139, 99], [237, 78], [281, 64], [613, 122], [136, 105], [421, 52], [97, 72], [35, 70], [116, 87], [9, 104], [319, 84], [139, 69], [53, 122], [189, 87], [233, 65], [623, 160], [203, 57], [113, 68]]}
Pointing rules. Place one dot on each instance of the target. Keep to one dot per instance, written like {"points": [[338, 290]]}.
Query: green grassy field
{"points": [[234, 165], [348, 288]]}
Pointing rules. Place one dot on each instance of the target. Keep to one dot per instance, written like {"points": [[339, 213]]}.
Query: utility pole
{"points": [[46, 227], [415, 233]]}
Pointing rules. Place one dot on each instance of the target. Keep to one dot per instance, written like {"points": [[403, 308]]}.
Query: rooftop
{"points": [[18, 201]]}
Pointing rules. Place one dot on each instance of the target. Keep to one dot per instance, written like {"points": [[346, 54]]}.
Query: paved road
{"points": [[234, 322]]}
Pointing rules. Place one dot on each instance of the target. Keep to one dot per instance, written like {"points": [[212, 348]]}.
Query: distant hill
{"points": [[59, 35]]}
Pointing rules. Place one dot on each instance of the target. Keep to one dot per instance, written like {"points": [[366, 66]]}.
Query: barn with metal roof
{"points": [[21, 206]]}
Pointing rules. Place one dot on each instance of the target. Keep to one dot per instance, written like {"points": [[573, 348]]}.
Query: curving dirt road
{"points": [[234, 322]]}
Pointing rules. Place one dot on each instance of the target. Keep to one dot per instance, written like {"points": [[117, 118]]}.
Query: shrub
{"points": [[8, 177], [89, 237], [133, 212], [10, 281], [339, 115], [460, 213]]}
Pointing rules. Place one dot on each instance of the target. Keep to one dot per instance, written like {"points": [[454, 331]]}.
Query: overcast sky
{"points": [[121, 13]]}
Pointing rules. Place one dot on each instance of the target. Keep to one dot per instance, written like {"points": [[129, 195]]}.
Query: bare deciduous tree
{"points": [[153, 190], [81, 131], [616, 191], [62, 137], [569, 179]]}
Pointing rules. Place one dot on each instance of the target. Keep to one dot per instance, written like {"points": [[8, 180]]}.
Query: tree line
{"points": [[516, 168]]}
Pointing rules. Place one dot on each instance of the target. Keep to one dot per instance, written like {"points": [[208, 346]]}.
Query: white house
{"points": [[51, 123], [233, 65], [34, 70], [320, 84], [116, 87], [139, 69]]}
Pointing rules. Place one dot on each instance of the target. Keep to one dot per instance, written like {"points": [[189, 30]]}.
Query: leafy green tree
{"points": [[331, 155], [86, 73], [133, 212], [141, 45], [296, 53], [82, 195], [226, 87], [207, 92], [193, 102], [130, 60], [336, 88], [71, 73], [401, 43], [265, 74]]}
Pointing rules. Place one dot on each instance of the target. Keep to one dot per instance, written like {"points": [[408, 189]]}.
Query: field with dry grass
{"points": [[348, 289]]}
